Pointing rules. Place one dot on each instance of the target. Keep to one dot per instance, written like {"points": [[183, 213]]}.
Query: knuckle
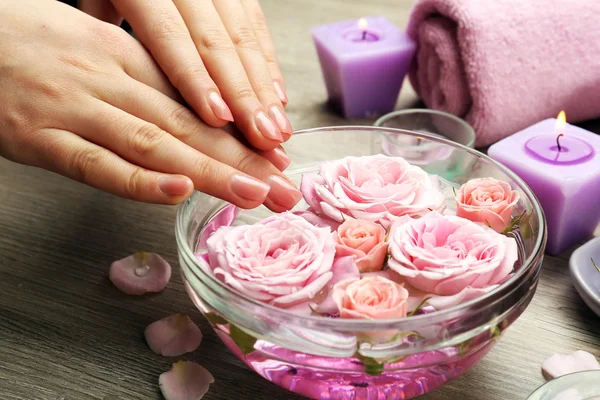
{"points": [[84, 162], [267, 89], [248, 161], [243, 38], [188, 73], [146, 139], [133, 183], [168, 28], [243, 91], [214, 40], [202, 168], [183, 119]]}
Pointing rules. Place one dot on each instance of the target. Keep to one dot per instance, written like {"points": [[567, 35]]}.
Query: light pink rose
{"points": [[282, 260], [487, 200], [343, 268], [450, 256], [370, 298], [365, 241], [374, 188]]}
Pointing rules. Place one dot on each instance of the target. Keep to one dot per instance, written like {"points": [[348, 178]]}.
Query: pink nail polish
{"points": [[282, 192], [281, 120], [219, 108], [280, 92], [279, 158], [267, 128], [175, 186], [249, 188]]}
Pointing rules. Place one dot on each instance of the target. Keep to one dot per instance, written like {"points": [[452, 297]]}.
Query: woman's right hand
{"points": [[82, 98]]}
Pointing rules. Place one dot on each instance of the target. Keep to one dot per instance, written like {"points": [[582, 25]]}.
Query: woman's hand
{"points": [[86, 100], [218, 54]]}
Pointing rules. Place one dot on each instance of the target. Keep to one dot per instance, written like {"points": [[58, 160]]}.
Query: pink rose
{"points": [[282, 260], [450, 256], [365, 241], [487, 200], [370, 298], [374, 188]]}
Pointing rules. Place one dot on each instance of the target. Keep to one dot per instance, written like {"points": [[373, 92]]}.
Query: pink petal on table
{"points": [[173, 336], [562, 364], [186, 380], [140, 273]]}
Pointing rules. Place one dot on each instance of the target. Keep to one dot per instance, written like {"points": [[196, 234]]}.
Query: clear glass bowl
{"points": [[318, 357], [577, 386]]}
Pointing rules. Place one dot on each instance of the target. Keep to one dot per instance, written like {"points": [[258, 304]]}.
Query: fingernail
{"points": [[174, 186], [282, 192], [249, 188], [280, 159], [281, 120], [267, 128], [219, 108], [280, 92]]}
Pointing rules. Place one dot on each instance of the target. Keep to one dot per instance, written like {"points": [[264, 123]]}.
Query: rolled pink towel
{"points": [[505, 64]]}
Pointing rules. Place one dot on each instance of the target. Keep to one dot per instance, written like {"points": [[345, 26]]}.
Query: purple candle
{"points": [[561, 164], [364, 64]]}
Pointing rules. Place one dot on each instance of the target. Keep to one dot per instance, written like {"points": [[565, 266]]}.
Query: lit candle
{"points": [[364, 63], [561, 164]]}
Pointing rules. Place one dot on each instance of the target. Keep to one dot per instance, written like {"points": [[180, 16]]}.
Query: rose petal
{"points": [[562, 364], [186, 380], [317, 220], [140, 273], [442, 302], [343, 268], [224, 217], [309, 191], [173, 336]]}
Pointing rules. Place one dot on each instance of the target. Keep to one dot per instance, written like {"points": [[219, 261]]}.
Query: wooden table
{"points": [[67, 334]]}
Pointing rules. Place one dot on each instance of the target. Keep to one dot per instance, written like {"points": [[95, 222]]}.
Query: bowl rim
{"points": [[340, 324], [384, 118], [561, 379]]}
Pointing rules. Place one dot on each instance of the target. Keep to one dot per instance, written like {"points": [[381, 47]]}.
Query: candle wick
{"points": [[558, 141], [364, 35]]}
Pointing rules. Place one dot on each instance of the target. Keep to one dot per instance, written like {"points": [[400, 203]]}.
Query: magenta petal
{"points": [[186, 380], [140, 273], [343, 268], [173, 336], [563, 364]]}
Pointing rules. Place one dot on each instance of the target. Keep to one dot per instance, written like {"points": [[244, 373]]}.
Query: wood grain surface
{"points": [[67, 334]]}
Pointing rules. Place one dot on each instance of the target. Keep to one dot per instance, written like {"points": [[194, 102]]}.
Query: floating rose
{"points": [[283, 260], [140, 273], [374, 188], [487, 200], [448, 258], [173, 336], [185, 381], [363, 240]]}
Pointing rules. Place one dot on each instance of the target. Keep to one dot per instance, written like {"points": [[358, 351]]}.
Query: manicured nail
{"points": [[280, 92], [267, 128], [281, 120], [219, 108], [175, 186], [282, 192], [280, 159], [249, 188]]}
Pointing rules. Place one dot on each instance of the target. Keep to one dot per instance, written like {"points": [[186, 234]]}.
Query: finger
{"points": [[256, 121], [145, 144], [240, 30], [148, 104], [161, 28], [263, 36], [278, 156], [68, 154]]}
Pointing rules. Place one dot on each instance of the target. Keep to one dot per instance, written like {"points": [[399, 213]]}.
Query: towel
{"points": [[503, 65]]}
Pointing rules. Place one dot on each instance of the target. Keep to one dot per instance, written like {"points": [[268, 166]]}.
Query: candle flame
{"points": [[561, 122], [363, 25]]}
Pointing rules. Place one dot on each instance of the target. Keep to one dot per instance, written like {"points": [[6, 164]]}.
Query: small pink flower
{"points": [[487, 200], [186, 380], [370, 298], [365, 241], [375, 188], [283, 260], [140, 273], [173, 336], [343, 268], [450, 256]]}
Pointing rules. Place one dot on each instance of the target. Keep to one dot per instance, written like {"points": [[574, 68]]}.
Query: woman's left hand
{"points": [[218, 54]]}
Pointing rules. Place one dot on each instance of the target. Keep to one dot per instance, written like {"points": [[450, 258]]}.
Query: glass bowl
{"points": [[577, 386], [433, 157], [318, 357]]}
